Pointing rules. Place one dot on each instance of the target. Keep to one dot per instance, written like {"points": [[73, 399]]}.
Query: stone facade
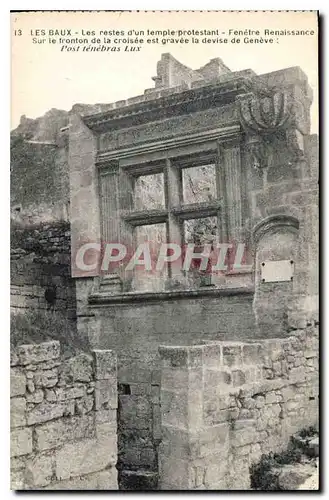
{"points": [[224, 404], [255, 131], [63, 419]]}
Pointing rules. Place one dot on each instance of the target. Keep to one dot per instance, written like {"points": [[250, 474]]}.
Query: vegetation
{"points": [[265, 474], [35, 327]]}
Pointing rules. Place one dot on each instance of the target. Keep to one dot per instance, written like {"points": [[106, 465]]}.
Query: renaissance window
{"points": [[176, 199]]}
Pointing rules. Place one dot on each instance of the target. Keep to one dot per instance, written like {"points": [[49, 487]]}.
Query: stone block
{"points": [[106, 395], [232, 354], [17, 412], [17, 382], [63, 394], [147, 458], [106, 429], [104, 480], [217, 378], [238, 377], [45, 411], [174, 357], [46, 378], [20, 442], [251, 354], [54, 434], [155, 394], [84, 405], [84, 457], [245, 436], [105, 365], [102, 416], [14, 360], [138, 480], [17, 463], [211, 440], [174, 408], [39, 471], [157, 429], [35, 397], [17, 481], [212, 355], [272, 397], [50, 395], [244, 424], [36, 353], [175, 474], [174, 379]]}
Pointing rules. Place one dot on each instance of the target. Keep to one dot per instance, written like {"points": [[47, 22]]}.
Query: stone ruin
{"points": [[209, 375]]}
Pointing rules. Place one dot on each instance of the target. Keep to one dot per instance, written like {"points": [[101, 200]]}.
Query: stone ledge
{"points": [[128, 297]]}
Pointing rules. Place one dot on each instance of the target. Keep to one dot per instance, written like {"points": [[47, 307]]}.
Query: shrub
{"points": [[34, 327], [265, 474]]}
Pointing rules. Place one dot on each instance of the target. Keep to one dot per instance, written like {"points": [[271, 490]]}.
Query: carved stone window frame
{"points": [[170, 160]]}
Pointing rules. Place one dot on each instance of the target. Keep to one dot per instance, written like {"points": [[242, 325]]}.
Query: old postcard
{"points": [[164, 250]]}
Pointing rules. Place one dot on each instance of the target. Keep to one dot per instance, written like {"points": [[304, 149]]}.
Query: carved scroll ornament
{"points": [[266, 117]]}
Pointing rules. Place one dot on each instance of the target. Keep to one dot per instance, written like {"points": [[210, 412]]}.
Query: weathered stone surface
{"points": [[54, 434], [17, 382], [63, 394], [103, 415], [105, 394], [20, 442], [138, 480], [17, 463], [104, 480], [13, 358], [37, 353], [17, 480], [35, 397], [45, 411], [90, 455], [105, 365], [84, 405], [232, 354], [77, 369], [17, 412], [45, 378], [39, 471]]}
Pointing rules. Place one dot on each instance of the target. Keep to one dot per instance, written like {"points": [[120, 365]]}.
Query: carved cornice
{"points": [[103, 299], [189, 101], [166, 145]]}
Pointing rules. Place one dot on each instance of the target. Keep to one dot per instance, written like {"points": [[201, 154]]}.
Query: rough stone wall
{"points": [[40, 261], [281, 193], [135, 332], [63, 419], [224, 404], [171, 72]]}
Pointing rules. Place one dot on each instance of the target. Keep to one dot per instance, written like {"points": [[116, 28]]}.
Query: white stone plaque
{"points": [[277, 270]]}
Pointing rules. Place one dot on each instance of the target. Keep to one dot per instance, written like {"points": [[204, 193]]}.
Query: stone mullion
{"points": [[173, 198], [127, 233], [109, 208], [222, 195], [232, 171]]}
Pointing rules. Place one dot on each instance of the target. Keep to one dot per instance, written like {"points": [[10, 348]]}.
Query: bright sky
{"points": [[43, 77]]}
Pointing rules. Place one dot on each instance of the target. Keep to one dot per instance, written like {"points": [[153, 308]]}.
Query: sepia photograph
{"points": [[164, 251]]}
